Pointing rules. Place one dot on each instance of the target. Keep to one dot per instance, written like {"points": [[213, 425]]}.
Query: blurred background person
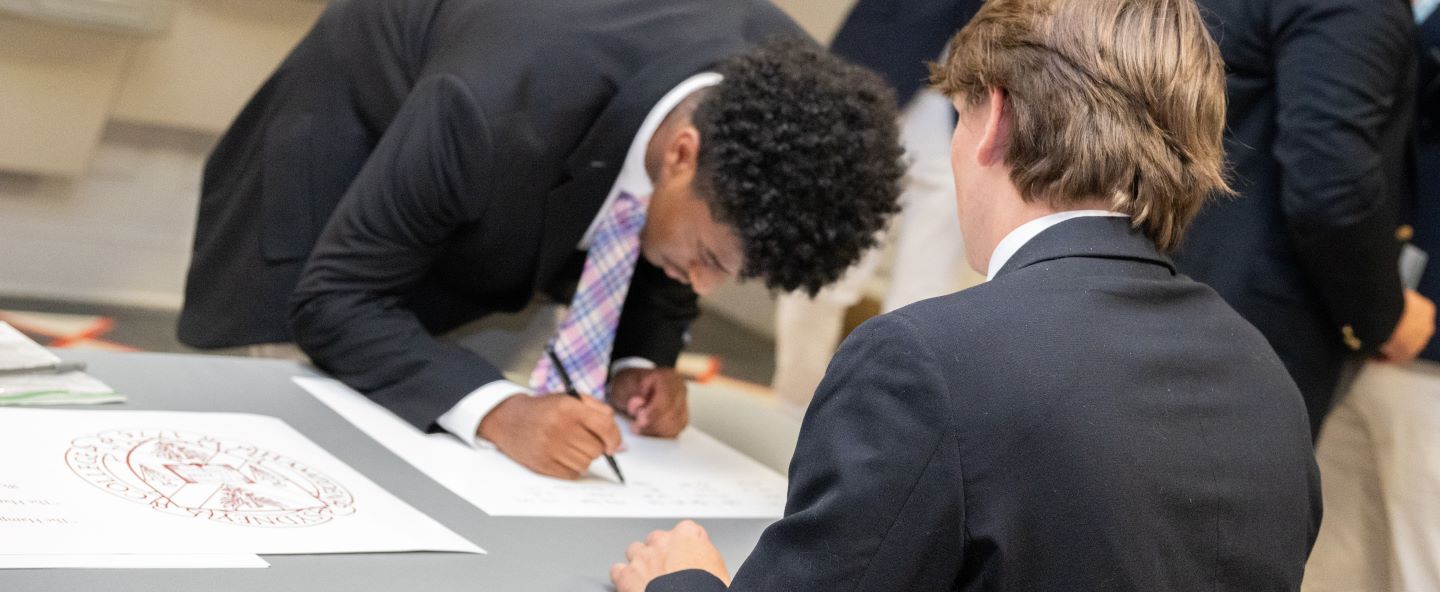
{"points": [[1321, 96], [1379, 451]]}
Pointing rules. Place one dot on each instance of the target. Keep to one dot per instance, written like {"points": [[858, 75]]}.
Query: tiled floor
{"points": [[745, 355]]}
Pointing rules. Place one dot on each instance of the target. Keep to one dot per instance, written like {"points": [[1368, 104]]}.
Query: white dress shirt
{"points": [[1025, 232], [463, 420]]}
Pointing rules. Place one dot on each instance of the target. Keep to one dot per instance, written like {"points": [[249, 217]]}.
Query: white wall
{"points": [[820, 17], [120, 234]]}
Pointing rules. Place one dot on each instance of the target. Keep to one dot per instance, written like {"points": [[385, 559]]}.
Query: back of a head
{"points": [[1122, 100], [800, 154]]}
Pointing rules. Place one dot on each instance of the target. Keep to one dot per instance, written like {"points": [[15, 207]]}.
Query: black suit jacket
{"points": [[900, 38], [453, 153], [1321, 95], [1427, 169], [1088, 420]]}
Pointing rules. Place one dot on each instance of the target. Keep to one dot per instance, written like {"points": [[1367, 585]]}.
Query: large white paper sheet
{"points": [[116, 561], [156, 482], [693, 476]]}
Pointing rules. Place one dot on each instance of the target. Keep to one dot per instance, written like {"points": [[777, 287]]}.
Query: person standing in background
{"points": [[895, 38], [1321, 97], [1379, 451]]}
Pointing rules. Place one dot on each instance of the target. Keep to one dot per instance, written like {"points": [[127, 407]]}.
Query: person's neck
{"points": [[1012, 212]]}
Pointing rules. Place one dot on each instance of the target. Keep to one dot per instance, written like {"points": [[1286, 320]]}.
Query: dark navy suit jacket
{"points": [[416, 164], [899, 38], [1088, 420], [1427, 170], [1321, 101]]}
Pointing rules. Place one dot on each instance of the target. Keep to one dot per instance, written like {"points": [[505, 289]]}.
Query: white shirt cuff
{"points": [[463, 420], [629, 363]]}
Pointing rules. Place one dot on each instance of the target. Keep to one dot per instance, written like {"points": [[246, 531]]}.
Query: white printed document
{"points": [[693, 476], [173, 483]]}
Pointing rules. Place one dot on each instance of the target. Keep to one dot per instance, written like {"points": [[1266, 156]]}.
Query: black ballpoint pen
{"points": [[570, 390]]}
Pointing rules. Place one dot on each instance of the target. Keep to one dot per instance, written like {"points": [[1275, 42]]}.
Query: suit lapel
{"points": [[1097, 237]]}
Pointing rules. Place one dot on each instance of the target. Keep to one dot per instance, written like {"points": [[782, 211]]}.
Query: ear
{"points": [[996, 138], [682, 152]]}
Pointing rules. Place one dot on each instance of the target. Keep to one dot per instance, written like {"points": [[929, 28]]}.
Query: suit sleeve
{"points": [[657, 313], [876, 499], [690, 580], [428, 175], [1339, 66]]}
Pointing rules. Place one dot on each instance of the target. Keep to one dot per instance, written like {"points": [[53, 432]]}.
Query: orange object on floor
{"points": [[64, 330]]}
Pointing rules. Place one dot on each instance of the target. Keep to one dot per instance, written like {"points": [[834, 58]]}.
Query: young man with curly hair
{"points": [[1088, 419], [414, 165]]}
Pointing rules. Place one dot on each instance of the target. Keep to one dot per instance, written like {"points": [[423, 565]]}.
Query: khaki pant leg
{"points": [[1350, 552]]}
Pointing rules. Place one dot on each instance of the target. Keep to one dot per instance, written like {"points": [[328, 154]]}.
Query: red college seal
{"points": [[203, 477]]}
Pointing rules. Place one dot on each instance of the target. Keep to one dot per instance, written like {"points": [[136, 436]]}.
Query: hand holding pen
{"points": [[570, 390]]}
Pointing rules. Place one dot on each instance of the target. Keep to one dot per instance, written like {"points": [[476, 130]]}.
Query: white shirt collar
{"points": [[633, 179], [1025, 232], [1423, 10]]}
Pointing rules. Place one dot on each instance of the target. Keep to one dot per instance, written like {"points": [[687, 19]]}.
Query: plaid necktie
{"points": [[587, 333]]}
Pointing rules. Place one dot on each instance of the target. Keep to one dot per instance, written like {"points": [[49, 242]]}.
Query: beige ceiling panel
{"points": [[201, 72], [56, 85]]}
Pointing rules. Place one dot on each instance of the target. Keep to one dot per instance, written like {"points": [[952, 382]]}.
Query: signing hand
{"points": [[687, 546], [655, 398], [556, 435], [1417, 324]]}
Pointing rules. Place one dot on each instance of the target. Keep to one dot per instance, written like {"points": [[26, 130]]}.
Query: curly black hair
{"points": [[800, 154]]}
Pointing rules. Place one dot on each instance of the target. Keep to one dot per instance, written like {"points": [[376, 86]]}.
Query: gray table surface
{"points": [[541, 554]]}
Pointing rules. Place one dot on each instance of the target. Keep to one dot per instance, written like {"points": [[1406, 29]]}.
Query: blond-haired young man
{"points": [[1086, 420]]}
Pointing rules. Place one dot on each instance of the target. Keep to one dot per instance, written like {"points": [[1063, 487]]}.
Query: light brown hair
{"points": [[1115, 99]]}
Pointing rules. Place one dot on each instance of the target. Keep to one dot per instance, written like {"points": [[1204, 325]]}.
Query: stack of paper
{"points": [[41, 387]]}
